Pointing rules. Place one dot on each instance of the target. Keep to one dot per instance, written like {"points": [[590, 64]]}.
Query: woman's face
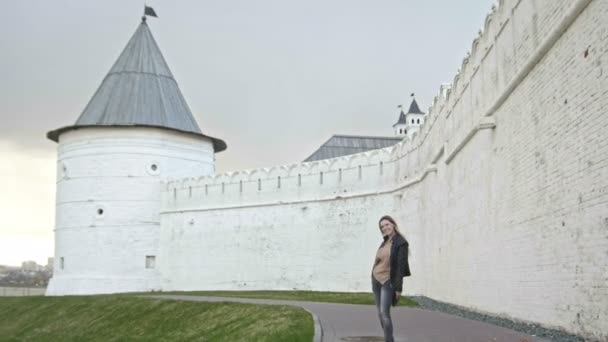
{"points": [[387, 228]]}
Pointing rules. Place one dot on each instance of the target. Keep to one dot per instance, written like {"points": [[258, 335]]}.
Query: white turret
{"points": [[409, 122], [414, 118], [400, 126]]}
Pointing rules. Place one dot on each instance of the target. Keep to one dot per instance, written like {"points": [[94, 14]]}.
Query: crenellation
{"points": [[465, 72], [455, 90]]}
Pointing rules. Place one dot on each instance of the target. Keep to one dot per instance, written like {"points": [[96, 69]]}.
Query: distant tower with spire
{"points": [[400, 126], [409, 122], [135, 132]]}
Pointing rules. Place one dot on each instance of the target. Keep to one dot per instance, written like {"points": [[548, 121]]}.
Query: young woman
{"points": [[390, 266]]}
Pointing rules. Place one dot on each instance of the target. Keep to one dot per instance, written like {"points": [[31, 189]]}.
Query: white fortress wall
{"points": [[260, 232], [290, 246], [503, 193], [108, 202]]}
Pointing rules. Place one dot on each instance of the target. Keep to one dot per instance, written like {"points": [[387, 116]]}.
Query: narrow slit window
{"points": [[150, 261]]}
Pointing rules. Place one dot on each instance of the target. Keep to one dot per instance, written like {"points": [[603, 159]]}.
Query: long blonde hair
{"points": [[395, 227]]}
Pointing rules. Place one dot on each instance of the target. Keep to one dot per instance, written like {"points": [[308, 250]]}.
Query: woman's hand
{"points": [[397, 296]]}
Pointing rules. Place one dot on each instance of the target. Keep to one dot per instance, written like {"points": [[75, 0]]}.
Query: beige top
{"points": [[382, 264]]}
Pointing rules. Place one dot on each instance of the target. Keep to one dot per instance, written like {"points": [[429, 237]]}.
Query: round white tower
{"points": [[136, 131]]}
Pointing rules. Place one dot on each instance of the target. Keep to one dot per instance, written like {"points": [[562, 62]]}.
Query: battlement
{"points": [[330, 178]]}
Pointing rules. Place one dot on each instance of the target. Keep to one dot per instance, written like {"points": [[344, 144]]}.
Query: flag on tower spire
{"points": [[149, 11]]}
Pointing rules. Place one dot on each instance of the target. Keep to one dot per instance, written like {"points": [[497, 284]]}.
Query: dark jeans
{"points": [[383, 296]]}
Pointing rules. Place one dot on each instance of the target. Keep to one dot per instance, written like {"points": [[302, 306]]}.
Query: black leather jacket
{"points": [[399, 261]]}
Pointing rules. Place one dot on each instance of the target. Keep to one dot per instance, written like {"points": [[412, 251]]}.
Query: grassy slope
{"points": [[308, 296], [127, 318]]}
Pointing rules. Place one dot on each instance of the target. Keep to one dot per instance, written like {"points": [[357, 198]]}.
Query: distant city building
{"points": [[344, 145], [30, 266]]}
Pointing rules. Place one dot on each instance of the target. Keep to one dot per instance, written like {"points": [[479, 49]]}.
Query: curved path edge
{"points": [[318, 327]]}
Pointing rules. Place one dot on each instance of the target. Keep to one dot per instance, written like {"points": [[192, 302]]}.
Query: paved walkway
{"points": [[348, 322]]}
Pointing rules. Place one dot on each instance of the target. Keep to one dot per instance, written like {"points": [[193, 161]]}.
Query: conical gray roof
{"points": [[414, 109], [139, 90], [401, 119]]}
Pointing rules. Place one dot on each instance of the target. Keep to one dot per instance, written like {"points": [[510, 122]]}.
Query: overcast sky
{"points": [[274, 79]]}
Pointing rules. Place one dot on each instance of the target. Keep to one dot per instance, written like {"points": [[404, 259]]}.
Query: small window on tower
{"points": [[154, 168], [150, 261], [100, 211], [64, 171], [412, 120], [418, 121]]}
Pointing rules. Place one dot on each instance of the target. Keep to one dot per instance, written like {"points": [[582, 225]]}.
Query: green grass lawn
{"points": [[129, 318], [307, 296]]}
